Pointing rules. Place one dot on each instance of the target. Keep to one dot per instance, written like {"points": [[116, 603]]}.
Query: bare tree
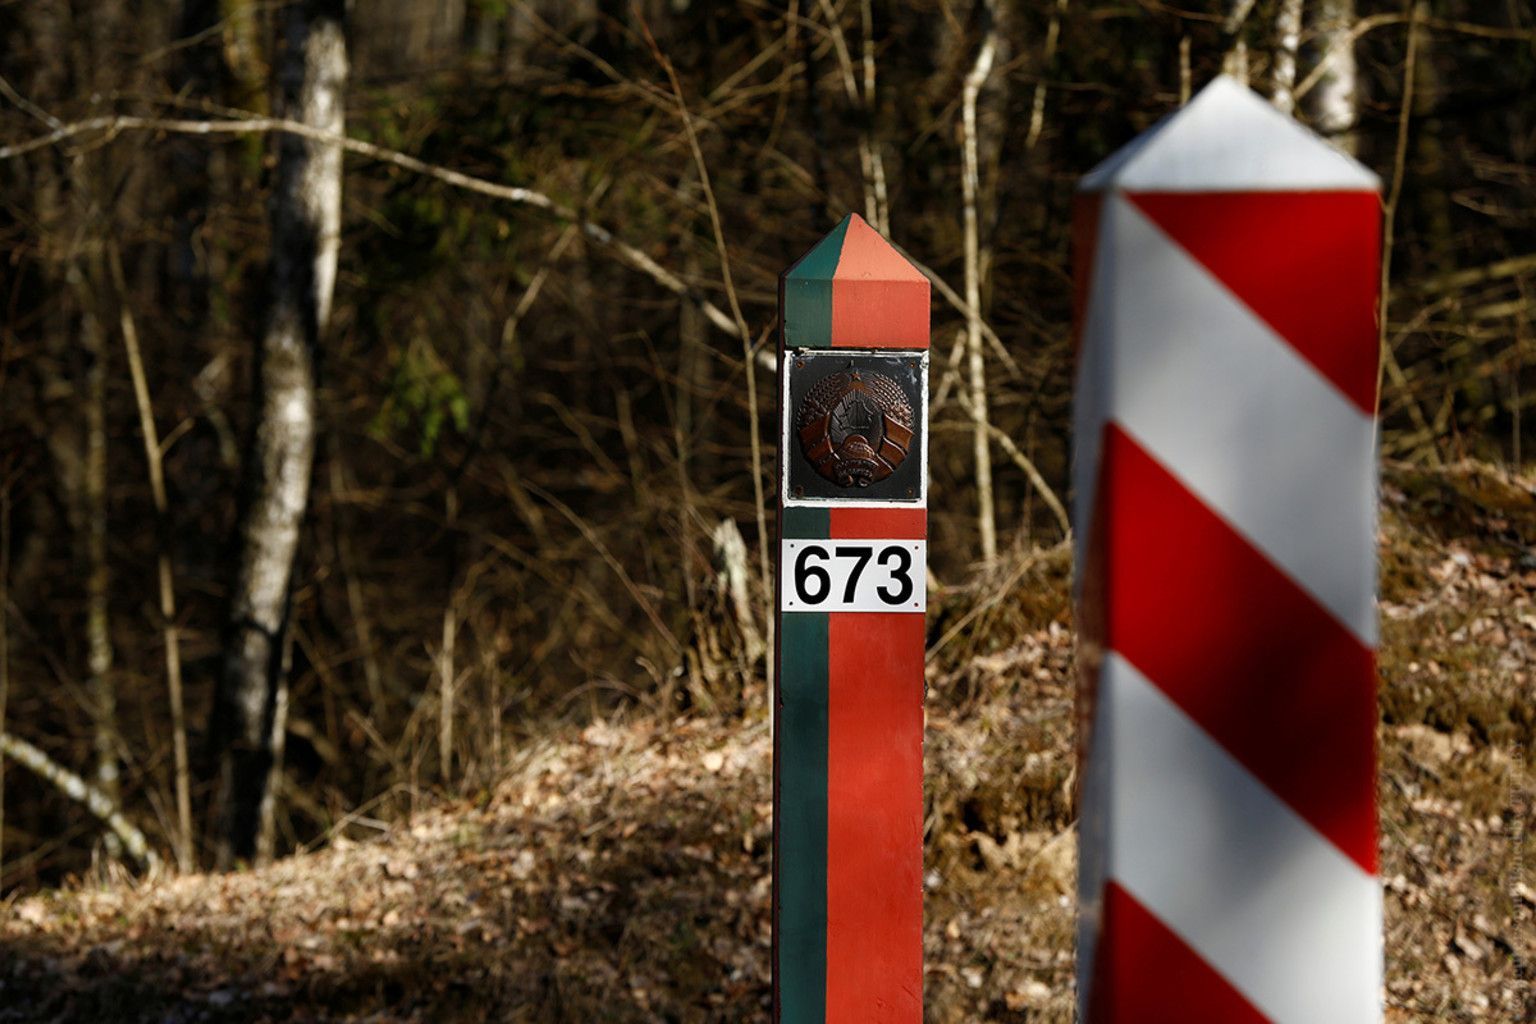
{"points": [[251, 709], [871, 163], [91, 513], [1333, 103], [1235, 60], [154, 462], [970, 187], [1282, 88], [5, 637]]}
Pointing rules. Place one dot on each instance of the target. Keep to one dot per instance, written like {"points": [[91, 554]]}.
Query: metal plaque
{"points": [[855, 427]]}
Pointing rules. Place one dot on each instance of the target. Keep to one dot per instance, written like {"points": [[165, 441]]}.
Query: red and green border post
{"points": [[848, 701]]}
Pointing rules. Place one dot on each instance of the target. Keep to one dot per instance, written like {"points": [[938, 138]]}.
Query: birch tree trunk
{"points": [[970, 188], [1235, 60], [306, 223], [1334, 102], [1282, 90], [98, 581]]}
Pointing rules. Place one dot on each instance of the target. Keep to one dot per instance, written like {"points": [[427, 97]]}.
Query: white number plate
{"points": [[854, 575]]}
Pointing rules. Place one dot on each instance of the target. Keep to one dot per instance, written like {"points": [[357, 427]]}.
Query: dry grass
{"points": [[620, 873]]}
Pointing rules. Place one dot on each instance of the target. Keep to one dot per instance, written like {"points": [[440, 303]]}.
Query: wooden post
{"points": [[852, 586], [1227, 268]]}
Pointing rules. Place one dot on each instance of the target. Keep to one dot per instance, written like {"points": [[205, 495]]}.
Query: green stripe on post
{"points": [[808, 293], [802, 826]]}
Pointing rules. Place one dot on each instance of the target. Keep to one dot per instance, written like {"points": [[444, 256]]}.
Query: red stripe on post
{"points": [[1143, 973], [875, 819], [875, 797], [1280, 683], [1306, 263], [879, 524]]}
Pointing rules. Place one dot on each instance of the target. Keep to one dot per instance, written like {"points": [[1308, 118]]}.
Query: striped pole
{"points": [[1226, 270], [848, 702]]}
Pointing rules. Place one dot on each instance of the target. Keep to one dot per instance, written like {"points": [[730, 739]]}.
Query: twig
{"points": [[1027, 563], [1025, 463], [612, 562], [965, 309], [167, 590], [1461, 279]]}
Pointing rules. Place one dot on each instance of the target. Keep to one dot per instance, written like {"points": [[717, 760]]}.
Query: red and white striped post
{"points": [[1227, 275]]}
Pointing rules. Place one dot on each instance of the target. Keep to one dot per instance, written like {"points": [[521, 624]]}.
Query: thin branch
{"points": [[76, 788], [167, 590], [965, 309], [613, 563], [112, 126], [1025, 463], [1461, 279], [116, 125], [1037, 108]]}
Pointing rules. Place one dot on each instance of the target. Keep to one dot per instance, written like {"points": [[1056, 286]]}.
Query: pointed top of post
{"points": [[1229, 139], [853, 289], [853, 251]]}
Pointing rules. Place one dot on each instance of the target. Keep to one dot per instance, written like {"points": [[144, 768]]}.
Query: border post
{"points": [[1226, 270], [852, 592]]}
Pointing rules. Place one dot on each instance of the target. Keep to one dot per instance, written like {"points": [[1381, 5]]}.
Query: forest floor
{"points": [[619, 872]]}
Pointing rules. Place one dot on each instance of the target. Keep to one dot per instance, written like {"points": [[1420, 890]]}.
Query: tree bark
{"points": [[1282, 90], [970, 188], [92, 524], [306, 224], [73, 786], [153, 461], [1334, 102], [1235, 59]]}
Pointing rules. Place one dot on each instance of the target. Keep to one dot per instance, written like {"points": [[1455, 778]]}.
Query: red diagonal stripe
{"points": [[1307, 263], [1244, 651], [1143, 973]]}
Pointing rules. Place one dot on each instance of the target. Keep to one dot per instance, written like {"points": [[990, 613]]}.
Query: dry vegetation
{"points": [[618, 872]]}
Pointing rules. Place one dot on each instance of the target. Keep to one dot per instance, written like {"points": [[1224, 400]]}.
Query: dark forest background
{"points": [[532, 500]]}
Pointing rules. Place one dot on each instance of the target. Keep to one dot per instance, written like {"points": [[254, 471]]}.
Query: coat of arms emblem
{"points": [[855, 427]]}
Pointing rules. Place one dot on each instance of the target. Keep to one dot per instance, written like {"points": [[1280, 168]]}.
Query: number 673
{"points": [[854, 576]]}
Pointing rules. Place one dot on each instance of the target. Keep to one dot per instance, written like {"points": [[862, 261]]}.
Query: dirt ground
{"points": [[619, 872]]}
